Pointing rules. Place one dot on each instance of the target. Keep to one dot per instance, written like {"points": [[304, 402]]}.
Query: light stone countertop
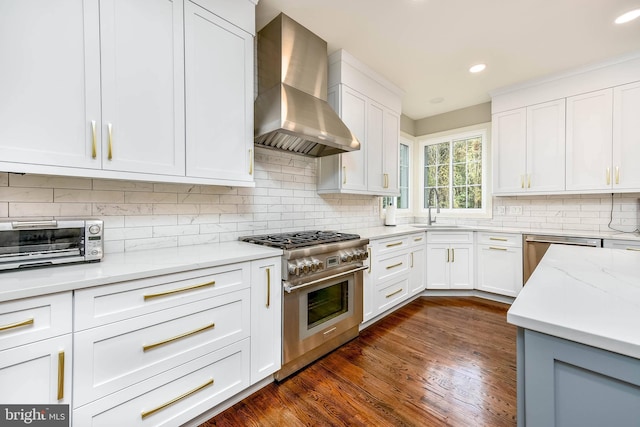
{"points": [[124, 266], [587, 295], [375, 233]]}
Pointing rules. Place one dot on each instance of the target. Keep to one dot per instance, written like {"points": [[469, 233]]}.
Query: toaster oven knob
{"points": [[94, 229]]}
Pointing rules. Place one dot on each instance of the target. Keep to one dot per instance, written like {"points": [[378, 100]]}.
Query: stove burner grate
{"points": [[299, 239]]}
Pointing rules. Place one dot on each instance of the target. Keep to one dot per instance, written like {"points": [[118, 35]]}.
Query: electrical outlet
{"points": [[515, 210], [502, 210]]}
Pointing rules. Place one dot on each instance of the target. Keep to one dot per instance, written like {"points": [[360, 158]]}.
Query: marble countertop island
{"points": [[586, 295]]}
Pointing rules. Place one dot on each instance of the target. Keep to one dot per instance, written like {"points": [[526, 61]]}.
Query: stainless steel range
{"points": [[322, 306]]}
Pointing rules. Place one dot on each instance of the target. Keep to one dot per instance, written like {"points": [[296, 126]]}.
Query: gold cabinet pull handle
{"points": [[521, 181], [268, 287], [251, 161], [608, 176], [389, 267], [178, 337], [497, 249], [390, 245], [411, 259], [633, 249], [16, 325], [176, 291], [344, 175], [417, 239], [448, 255], [61, 375], [110, 141], [386, 180], [370, 259], [499, 239], [528, 180], [393, 293], [453, 255], [145, 414], [617, 175], [94, 147]]}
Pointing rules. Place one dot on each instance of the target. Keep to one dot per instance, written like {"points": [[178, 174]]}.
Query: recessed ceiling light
{"points": [[477, 68], [626, 17]]}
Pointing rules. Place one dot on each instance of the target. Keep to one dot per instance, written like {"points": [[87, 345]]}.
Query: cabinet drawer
{"points": [[388, 295], [390, 266], [106, 304], [629, 245], [115, 356], [500, 239], [32, 319], [381, 247], [37, 373], [178, 395], [449, 236], [417, 239]]}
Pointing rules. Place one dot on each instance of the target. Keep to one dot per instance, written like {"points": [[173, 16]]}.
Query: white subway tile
{"points": [[4, 179], [48, 181], [198, 198], [198, 239], [4, 209], [221, 209], [199, 219], [122, 209], [108, 184], [218, 228], [90, 196], [127, 233], [152, 243], [113, 221], [178, 209], [176, 188], [116, 246], [175, 230], [150, 220], [17, 194], [49, 209], [146, 197]]}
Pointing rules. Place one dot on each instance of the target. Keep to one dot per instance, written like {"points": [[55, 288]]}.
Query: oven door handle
{"points": [[289, 288]]}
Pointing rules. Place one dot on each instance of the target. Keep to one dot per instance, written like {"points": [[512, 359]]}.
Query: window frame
{"points": [[409, 210], [482, 130]]}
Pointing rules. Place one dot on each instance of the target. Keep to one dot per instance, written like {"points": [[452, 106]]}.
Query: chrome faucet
{"points": [[437, 206]]}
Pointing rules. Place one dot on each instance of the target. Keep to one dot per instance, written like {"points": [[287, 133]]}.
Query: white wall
{"points": [[141, 215]]}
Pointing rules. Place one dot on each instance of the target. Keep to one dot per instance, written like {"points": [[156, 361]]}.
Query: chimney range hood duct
{"points": [[291, 111]]}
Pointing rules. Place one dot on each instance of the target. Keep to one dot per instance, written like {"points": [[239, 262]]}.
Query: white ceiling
{"points": [[427, 46]]}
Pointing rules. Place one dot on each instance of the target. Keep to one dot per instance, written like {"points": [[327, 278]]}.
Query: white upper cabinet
{"points": [[509, 130], [98, 89], [626, 137], [528, 147], [589, 140], [545, 147], [219, 97], [370, 107], [50, 83], [142, 86]]}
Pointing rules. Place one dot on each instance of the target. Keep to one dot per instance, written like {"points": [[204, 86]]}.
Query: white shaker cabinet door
{"points": [[375, 148], [546, 146], [49, 83], [142, 86], [589, 139], [509, 151], [391, 152], [626, 137], [353, 111], [219, 97], [37, 373]]}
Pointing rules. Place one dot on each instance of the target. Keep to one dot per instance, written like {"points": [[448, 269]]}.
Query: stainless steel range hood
{"points": [[291, 111]]}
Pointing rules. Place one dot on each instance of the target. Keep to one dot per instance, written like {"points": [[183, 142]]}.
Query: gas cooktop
{"points": [[299, 239]]}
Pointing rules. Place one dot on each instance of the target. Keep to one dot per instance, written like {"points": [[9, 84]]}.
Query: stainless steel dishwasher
{"points": [[536, 245]]}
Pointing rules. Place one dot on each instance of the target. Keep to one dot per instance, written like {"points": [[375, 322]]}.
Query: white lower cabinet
{"points": [[450, 260], [266, 318], [176, 396], [37, 373], [628, 245], [396, 272], [499, 263], [36, 350]]}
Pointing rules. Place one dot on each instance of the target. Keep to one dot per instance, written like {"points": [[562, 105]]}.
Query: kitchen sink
{"points": [[439, 226]]}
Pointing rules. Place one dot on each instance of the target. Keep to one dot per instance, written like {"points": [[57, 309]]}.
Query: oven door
{"points": [[315, 315]]}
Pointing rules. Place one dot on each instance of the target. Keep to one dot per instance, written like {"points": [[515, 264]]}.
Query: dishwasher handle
{"points": [[575, 241]]}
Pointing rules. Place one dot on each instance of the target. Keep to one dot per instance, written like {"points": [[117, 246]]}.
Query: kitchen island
{"points": [[578, 322]]}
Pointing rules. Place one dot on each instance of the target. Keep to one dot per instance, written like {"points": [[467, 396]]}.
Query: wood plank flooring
{"points": [[438, 361]]}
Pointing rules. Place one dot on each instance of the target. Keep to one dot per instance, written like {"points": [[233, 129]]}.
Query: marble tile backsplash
{"points": [[142, 215]]}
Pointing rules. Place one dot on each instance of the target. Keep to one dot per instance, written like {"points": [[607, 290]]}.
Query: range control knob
{"points": [[305, 268], [293, 269], [346, 257]]}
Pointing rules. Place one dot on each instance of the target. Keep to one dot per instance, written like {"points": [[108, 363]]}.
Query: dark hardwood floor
{"points": [[438, 361]]}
